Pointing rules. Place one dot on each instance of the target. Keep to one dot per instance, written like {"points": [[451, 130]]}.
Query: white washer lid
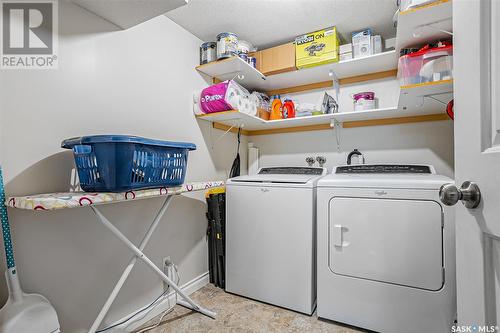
{"points": [[281, 175], [295, 179]]}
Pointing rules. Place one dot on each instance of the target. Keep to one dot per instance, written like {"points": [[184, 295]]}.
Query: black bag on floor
{"points": [[216, 216]]}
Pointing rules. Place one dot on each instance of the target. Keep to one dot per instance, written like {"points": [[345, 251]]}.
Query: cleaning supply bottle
{"points": [[288, 109], [276, 111]]}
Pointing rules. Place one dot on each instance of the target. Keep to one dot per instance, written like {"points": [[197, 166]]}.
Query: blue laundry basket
{"points": [[118, 163]]}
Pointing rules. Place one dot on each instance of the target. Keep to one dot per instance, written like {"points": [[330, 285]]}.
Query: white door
{"points": [[476, 25]]}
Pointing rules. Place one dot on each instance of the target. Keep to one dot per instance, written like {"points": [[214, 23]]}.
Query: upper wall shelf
{"points": [[234, 68], [424, 24], [417, 100], [128, 13], [252, 79]]}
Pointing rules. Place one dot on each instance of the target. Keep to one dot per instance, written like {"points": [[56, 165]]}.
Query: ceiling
{"points": [[266, 23]]}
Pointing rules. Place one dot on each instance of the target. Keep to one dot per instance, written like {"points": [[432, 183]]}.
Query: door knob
{"points": [[469, 194]]}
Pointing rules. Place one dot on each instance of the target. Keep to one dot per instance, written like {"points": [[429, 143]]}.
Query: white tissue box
{"points": [[362, 43], [346, 48], [376, 44], [345, 56]]}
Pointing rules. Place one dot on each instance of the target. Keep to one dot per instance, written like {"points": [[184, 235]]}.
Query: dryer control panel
{"points": [[383, 169], [291, 171]]}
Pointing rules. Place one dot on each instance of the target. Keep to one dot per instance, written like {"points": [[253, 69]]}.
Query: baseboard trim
{"points": [[169, 299]]}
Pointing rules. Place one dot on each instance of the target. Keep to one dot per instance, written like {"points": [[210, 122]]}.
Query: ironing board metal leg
{"points": [[139, 254], [199, 309], [128, 269]]}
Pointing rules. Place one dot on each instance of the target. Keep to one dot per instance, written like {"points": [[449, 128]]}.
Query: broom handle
{"points": [[7, 242]]}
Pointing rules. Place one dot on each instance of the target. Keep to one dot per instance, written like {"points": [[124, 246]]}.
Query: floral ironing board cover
{"points": [[53, 201]]}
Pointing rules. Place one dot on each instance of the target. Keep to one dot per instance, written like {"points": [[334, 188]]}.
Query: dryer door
{"points": [[387, 240]]}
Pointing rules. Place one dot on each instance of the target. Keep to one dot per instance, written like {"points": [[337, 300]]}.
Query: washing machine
{"points": [[386, 252], [271, 236]]}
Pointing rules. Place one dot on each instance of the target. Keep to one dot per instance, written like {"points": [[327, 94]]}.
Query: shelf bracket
{"points": [[239, 76], [336, 83], [336, 126], [418, 30], [225, 133], [431, 97], [434, 99]]}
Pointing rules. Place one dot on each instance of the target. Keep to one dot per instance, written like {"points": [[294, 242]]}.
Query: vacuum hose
{"points": [[7, 242]]}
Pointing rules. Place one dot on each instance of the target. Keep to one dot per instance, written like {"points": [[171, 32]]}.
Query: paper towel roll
{"points": [[239, 98], [196, 103]]}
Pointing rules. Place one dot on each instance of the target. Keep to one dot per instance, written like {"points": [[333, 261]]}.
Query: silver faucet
{"points": [[355, 152], [310, 161]]}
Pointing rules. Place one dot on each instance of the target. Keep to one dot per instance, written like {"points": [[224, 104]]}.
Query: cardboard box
{"points": [[345, 48], [390, 43], [362, 43], [263, 113], [376, 44], [317, 48], [278, 59], [346, 56]]}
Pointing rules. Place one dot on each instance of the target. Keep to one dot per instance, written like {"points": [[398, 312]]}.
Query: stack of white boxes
{"points": [[345, 52]]}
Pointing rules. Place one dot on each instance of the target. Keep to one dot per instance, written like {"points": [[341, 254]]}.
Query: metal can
{"points": [[207, 52], [252, 61], [227, 45], [243, 56], [364, 101]]}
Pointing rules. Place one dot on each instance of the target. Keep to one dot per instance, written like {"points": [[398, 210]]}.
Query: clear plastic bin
{"points": [[409, 4], [426, 65]]}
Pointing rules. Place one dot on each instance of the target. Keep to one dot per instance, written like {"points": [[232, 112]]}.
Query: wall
{"points": [[428, 142], [138, 81]]}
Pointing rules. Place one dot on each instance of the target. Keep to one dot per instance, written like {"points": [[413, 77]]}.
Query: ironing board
{"points": [[55, 201]]}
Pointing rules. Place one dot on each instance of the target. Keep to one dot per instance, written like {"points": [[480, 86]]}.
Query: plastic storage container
{"points": [[409, 4], [426, 65], [117, 163], [364, 101]]}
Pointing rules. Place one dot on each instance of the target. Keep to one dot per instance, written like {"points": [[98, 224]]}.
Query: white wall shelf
{"points": [[415, 100], [128, 13], [234, 68], [254, 80], [367, 115], [380, 62], [424, 24], [247, 122]]}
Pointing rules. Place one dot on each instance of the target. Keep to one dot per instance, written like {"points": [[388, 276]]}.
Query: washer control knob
{"points": [[321, 160]]}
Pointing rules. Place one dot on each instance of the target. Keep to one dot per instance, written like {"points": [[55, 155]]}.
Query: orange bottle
{"points": [[276, 112]]}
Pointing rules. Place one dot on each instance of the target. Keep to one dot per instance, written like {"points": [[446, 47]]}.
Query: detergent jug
{"points": [[276, 111], [288, 109]]}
